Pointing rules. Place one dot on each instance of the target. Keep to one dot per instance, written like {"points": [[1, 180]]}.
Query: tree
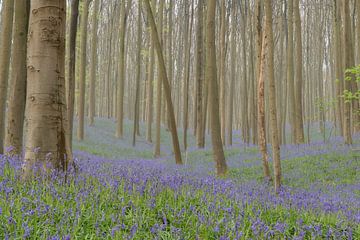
{"points": [[17, 94], [338, 63], [5, 51], [261, 97], [45, 116], [158, 84], [70, 94], [138, 74], [186, 72], [150, 96], [82, 75], [165, 82], [290, 69], [233, 76], [199, 76], [298, 76], [268, 57], [120, 92], [211, 75], [348, 57], [222, 70], [93, 63]]}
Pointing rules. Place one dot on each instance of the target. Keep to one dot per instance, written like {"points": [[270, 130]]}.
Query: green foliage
{"points": [[352, 74]]}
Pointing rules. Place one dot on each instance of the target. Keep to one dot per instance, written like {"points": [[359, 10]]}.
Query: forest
{"points": [[179, 119]]}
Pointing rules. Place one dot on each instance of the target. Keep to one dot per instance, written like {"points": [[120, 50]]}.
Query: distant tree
{"points": [[138, 74], [298, 76], [233, 57], [348, 63], [93, 61], [199, 75], [158, 81]]}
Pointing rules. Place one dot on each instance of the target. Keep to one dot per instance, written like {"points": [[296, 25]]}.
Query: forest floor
{"points": [[122, 192]]}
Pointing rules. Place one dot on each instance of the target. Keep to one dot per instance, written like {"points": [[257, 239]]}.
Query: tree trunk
{"points": [[165, 81], [261, 97], [5, 52], [347, 64], [222, 69], [290, 70], [93, 64], [233, 76], [199, 76], [82, 74], [211, 75], [186, 72], [298, 76], [268, 45], [138, 65], [150, 91], [339, 78], [157, 151], [45, 116], [17, 94], [70, 94]]}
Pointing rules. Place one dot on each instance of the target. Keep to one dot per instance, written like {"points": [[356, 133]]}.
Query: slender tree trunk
{"points": [[70, 95], [186, 72], [211, 74], [5, 52], [222, 69], [348, 64], [150, 91], [199, 76], [158, 85], [17, 94], [245, 96], [82, 74], [233, 54], [165, 82], [339, 77], [298, 77], [121, 83], [138, 72], [268, 45], [290, 70], [93, 64], [45, 106], [261, 95]]}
